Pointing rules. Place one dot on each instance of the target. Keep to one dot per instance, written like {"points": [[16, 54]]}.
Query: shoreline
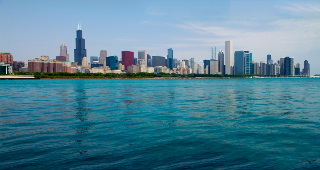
{"points": [[14, 77], [28, 77]]}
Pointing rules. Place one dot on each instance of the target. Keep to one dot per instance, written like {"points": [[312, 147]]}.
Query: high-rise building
{"points": [[113, 62], [206, 66], [239, 62], [269, 60], [263, 68], [288, 66], [158, 61], [214, 66], [192, 65], [64, 52], [242, 62], [176, 63], [127, 58], [255, 68], [297, 69], [170, 59], [149, 63], [229, 57], [93, 58], [248, 62], [221, 62], [271, 69], [80, 51], [142, 56], [103, 56], [186, 62], [306, 68]]}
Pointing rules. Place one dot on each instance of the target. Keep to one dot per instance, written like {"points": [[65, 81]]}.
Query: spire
{"points": [[79, 26]]}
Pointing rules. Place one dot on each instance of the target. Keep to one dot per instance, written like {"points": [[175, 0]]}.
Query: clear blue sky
{"points": [[31, 28]]}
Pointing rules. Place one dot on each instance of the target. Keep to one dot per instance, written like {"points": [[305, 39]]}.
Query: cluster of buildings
{"points": [[228, 62], [241, 62]]}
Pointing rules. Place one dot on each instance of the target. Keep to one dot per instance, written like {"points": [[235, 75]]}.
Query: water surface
{"points": [[160, 124]]}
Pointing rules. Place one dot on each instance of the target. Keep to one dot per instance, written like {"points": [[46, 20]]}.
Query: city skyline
{"points": [[280, 28]]}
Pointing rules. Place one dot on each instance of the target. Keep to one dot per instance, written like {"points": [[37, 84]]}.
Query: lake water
{"points": [[160, 124]]}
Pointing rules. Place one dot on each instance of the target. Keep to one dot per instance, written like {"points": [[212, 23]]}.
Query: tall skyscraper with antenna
{"points": [[80, 51]]}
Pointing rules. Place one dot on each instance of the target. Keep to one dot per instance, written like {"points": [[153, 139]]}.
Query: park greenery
{"points": [[127, 75]]}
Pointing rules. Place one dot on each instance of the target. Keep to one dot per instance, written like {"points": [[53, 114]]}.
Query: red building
{"points": [[44, 64], [127, 58], [6, 58]]}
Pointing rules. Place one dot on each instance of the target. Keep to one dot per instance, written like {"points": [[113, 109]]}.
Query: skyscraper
{"points": [[297, 69], [192, 65], [103, 56], [247, 62], [214, 66], [142, 56], [113, 62], [206, 66], [170, 59], [306, 68], [80, 51], [127, 58], [64, 56], [229, 56], [269, 61], [239, 62], [288, 66], [221, 62]]}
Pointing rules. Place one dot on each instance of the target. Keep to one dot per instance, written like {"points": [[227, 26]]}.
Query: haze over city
{"points": [[280, 28]]}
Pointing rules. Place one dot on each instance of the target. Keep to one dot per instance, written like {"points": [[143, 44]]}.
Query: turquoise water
{"points": [[160, 124]]}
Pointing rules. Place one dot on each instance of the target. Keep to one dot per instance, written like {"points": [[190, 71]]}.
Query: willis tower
{"points": [[80, 50]]}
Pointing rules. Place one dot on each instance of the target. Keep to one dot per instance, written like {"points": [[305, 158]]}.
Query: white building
{"points": [[229, 57], [142, 56]]}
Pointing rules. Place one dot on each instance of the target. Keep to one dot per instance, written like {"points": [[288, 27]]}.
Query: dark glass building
{"points": [[112, 62], [158, 61], [242, 62], [239, 62], [206, 65], [288, 66], [170, 58], [306, 68], [80, 50]]}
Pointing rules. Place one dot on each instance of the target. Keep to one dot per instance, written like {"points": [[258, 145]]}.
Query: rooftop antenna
{"points": [[79, 26]]}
